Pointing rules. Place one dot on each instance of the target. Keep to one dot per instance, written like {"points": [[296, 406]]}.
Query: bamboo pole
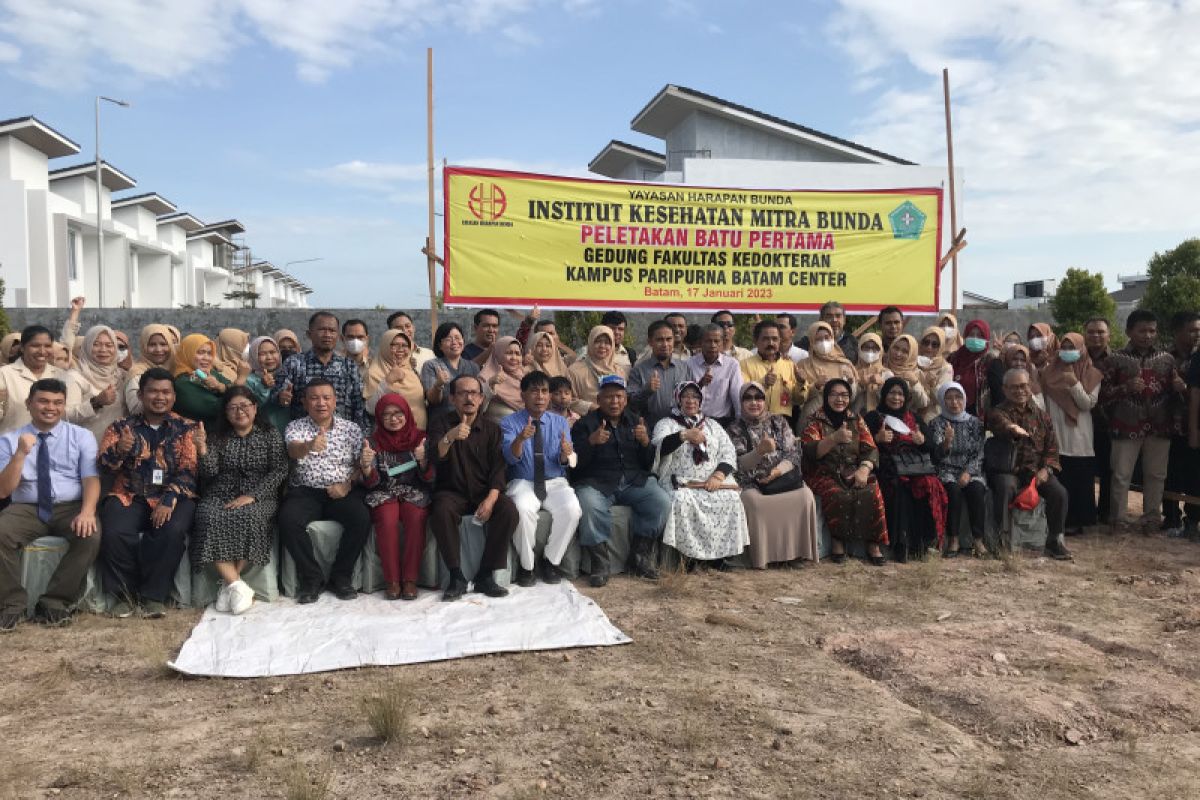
{"points": [[431, 241], [953, 203]]}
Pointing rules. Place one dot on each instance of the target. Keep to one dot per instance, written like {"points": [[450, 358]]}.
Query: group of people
{"points": [[212, 446]]}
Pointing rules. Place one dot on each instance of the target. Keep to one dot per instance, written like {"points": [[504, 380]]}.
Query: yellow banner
{"points": [[517, 239]]}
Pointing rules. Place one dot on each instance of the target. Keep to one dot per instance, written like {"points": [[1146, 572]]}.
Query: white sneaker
{"points": [[241, 597], [222, 603]]}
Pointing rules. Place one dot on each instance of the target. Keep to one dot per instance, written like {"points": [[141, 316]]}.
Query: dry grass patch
{"points": [[389, 712], [303, 781], [676, 582]]}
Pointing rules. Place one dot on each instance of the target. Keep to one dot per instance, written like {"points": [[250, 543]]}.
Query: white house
{"points": [[155, 256]]}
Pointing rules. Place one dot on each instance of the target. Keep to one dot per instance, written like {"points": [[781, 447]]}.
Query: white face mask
{"points": [[246, 353], [950, 330], [869, 356], [924, 361], [355, 346], [1010, 345], [1037, 343], [824, 347], [122, 354]]}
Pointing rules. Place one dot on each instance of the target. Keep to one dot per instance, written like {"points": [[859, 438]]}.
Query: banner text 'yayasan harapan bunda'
{"points": [[517, 239]]}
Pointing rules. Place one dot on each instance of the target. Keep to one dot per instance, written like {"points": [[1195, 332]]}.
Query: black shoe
{"points": [[344, 591], [877, 561], [837, 558], [1057, 550], [598, 579], [51, 616], [485, 583], [525, 578], [306, 596], [948, 553], [9, 621], [599, 569], [643, 558], [456, 589], [550, 573], [719, 565]]}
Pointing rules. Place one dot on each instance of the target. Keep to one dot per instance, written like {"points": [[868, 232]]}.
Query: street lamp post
{"points": [[99, 207]]}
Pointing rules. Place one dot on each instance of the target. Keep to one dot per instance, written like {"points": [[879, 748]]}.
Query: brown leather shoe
{"points": [[409, 591], [392, 592]]}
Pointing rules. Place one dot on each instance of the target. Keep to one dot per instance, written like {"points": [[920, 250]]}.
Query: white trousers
{"points": [[565, 514]]}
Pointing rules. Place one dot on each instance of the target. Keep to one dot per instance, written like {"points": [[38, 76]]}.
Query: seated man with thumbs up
{"points": [[50, 474], [328, 453], [537, 447]]}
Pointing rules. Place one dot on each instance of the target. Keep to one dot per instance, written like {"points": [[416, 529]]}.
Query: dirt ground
{"points": [[1017, 678]]}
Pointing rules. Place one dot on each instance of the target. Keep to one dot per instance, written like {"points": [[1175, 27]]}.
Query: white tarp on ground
{"points": [[283, 638]]}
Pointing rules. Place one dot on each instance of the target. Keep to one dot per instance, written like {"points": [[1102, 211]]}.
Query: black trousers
{"points": [[1181, 477], [1078, 477], [974, 495], [1102, 465], [304, 504], [138, 560], [445, 515]]}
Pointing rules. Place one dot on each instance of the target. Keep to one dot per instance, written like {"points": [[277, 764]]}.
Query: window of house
{"points": [[72, 255]]}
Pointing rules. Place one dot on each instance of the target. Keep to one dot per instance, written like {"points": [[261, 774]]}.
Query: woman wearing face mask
{"points": [[393, 371], [502, 373], [840, 459], [287, 342], [934, 369], [155, 349], [1043, 344], [198, 387], [825, 362], [232, 359], [264, 361], [949, 325], [901, 361], [101, 381], [971, 365], [958, 453], [124, 353], [870, 371], [1071, 389], [912, 494]]}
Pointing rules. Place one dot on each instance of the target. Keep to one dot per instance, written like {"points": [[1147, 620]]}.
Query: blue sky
{"points": [[1077, 126]]}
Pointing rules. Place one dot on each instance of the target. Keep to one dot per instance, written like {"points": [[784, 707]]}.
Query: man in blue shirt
{"points": [[51, 476], [321, 362], [653, 379], [537, 447]]}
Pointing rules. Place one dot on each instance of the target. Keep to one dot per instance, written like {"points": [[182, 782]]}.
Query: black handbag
{"points": [[912, 463], [999, 455], [787, 482]]}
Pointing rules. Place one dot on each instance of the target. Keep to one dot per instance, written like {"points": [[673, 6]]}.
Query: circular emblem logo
{"points": [[487, 201]]}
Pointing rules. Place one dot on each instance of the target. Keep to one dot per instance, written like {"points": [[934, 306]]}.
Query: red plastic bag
{"points": [[1027, 499]]}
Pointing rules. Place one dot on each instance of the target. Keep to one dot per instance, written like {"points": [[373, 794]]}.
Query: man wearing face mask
{"points": [[322, 361], [356, 344]]}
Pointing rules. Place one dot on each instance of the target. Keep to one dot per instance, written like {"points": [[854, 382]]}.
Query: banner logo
{"points": [[907, 221], [487, 201]]}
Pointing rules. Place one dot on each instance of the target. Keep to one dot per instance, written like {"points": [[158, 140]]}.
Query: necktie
{"points": [[539, 462], [45, 500]]}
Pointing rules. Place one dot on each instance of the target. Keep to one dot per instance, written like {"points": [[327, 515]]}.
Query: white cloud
{"points": [[1070, 118], [9, 53], [403, 182]]}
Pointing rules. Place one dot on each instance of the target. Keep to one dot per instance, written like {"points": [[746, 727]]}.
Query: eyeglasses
{"points": [[392, 415], [240, 408], [726, 324]]}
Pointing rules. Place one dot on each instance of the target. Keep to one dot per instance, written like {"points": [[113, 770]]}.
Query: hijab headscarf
{"points": [[836, 418], [98, 375], [885, 415], [556, 366], [255, 344], [176, 336], [123, 341], [952, 342], [402, 441], [905, 368], [970, 368], [931, 375], [284, 333], [185, 354], [1007, 356], [61, 351], [508, 388], [9, 344], [753, 423], [1043, 357], [609, 365], [231, 343], [961, 416], [382, 363], [699, 451], [142, 363], [1053, 378], [819, 367]]}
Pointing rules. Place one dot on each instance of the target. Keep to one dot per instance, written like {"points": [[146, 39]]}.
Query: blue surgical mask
{"points": [[1069, 356], [975, 344]]}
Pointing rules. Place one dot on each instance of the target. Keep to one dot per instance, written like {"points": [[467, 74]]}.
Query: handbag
{"points": [[1027, 499], [787, 482], [999, 455], [912, 463]]}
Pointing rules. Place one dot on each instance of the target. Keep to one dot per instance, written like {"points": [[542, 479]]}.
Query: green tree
{"points": [[1174, 283], [4, 327], [1081, 296]]}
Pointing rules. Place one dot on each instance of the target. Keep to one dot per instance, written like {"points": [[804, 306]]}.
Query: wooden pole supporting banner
{"points": [[431, 241], [953, 203]]}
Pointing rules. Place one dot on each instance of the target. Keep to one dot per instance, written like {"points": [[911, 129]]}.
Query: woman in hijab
{"points": [[840, 459], [502, 373], [1070, 389], [10, 348], [101, 382], [198, 387], [915, 499], [825, 362], [155, 349], [397, 477], [176, 338], [1043, 344], [264, 361], [124, 353], [61, 357], [934, 371], [287, 342], [231, 361], [694, 465], [870, 372], [901, 362], [781, 513], [949, 325], [545, 356], [393, 371], [586, 372], [958, 453], [971, 366], [446, 365]]}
